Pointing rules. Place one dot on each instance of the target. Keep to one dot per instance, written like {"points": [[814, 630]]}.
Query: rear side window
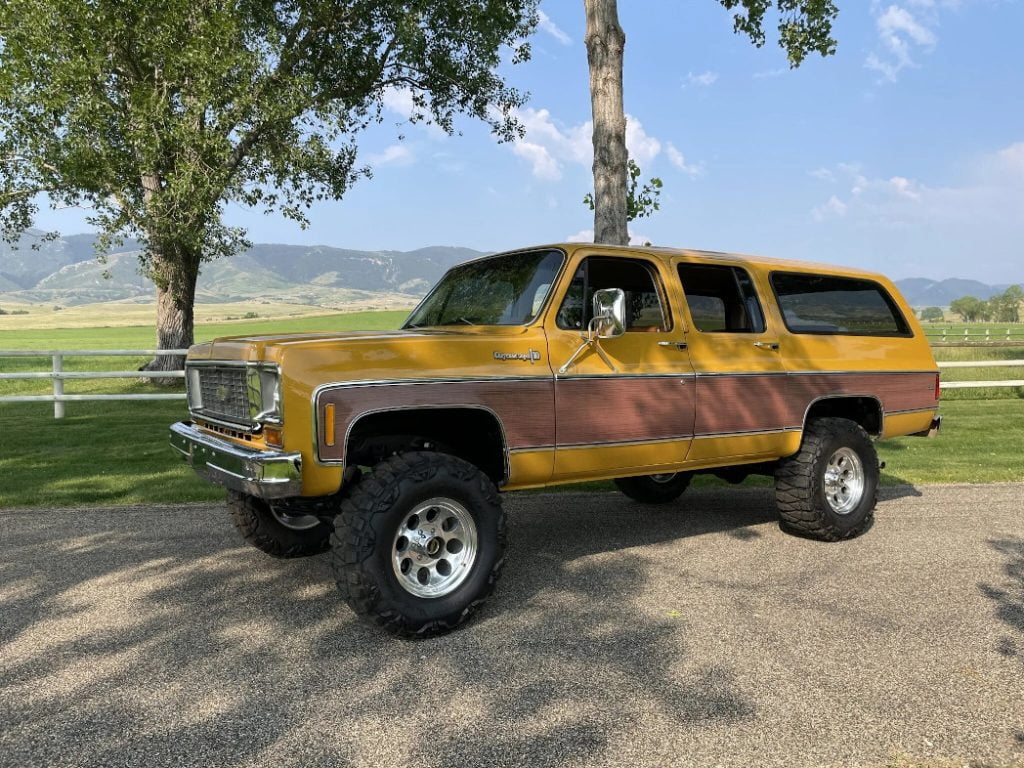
{"points": [[837, 305], [721, 299]]}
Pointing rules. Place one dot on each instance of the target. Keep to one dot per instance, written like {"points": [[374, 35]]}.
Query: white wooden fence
{"points": [[975, 337], [58, 375]]}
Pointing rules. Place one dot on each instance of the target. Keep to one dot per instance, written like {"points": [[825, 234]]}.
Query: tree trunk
{"points": [[605, 42], [175, 272]]}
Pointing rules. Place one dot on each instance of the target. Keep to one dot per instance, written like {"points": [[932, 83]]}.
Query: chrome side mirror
{"points": [[609, 319]]}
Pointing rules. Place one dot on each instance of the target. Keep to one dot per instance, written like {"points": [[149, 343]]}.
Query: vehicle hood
{"points": [[413, 353]]}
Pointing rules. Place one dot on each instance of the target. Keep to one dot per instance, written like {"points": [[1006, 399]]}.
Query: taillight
{"points": [[937, 387]]}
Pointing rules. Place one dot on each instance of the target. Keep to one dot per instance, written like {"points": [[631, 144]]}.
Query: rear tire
{"points": [[419, 543], [828, 489], [655, 489], [277, 532]]}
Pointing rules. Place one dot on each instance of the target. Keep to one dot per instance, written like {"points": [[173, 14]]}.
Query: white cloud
{"points": [[547, 25], [1012, 159], [832, 207], [766, 73], [587, 236], [994, 190], [642, 147], [399, 101], [548, 146], [902, 34], [396, 154], [972, 225], [679, 161], [823, 174], [702, 80]]}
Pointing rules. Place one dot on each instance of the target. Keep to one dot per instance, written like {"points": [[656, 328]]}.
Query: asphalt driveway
{"points": [[621, 635]]}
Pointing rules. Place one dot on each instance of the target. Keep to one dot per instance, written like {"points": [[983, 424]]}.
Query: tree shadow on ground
{"points": [[152, 637], [1008, 597]]}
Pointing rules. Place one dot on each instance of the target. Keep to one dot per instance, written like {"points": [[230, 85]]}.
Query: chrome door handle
{"points": [[772, 345], [676, 344]]}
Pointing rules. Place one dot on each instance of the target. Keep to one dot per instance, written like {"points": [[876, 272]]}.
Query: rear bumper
{"points": [[264, 474], [932, 431]]}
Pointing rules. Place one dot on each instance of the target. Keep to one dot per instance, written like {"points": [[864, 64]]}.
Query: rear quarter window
{"points": [[846, 306]]}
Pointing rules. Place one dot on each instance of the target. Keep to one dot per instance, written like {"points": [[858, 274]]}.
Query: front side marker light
{"points": [[329, 425]]}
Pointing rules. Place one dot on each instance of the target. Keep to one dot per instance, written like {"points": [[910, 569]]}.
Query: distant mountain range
{"points": [[65, 271]]}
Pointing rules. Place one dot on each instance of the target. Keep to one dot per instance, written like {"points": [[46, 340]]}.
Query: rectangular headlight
{"points": [[192, 389], [264, 395]]}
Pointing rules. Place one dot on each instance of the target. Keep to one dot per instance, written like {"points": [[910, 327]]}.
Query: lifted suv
{"points": [[553, 365]]}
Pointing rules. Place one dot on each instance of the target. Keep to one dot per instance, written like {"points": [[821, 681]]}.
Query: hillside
{"points": [[65, 271]]}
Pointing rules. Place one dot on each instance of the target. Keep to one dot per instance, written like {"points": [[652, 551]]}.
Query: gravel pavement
{"points": [[620, 635]]}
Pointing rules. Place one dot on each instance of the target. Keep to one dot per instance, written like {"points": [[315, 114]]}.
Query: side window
{"points": [[837, 305], [644, 309], [721, 299]]}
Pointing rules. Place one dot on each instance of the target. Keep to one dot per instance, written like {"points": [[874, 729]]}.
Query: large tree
{"points": [[155, 115], [804, 27]]}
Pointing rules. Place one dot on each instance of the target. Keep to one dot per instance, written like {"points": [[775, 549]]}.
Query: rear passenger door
{"points": [[740, 374]]}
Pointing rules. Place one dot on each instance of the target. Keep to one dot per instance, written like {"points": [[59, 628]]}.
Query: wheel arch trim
{"points": [[847, 396], [506, 464]]}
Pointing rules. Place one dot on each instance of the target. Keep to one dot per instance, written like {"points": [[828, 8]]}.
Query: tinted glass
{"points": [[643, 302], [501, 290], [838, 305], [721, 299]]}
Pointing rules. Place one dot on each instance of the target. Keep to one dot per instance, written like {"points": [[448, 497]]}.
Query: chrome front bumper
{"points": [[265, 474]]}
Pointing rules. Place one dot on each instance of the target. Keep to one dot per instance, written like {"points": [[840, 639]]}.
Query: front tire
{"points": [[828, 489], [419, 543], [655, 489], [276, 530]]}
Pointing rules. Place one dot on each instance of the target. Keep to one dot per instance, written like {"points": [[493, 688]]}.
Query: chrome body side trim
{"points": [[745, 433], [264, 474]]}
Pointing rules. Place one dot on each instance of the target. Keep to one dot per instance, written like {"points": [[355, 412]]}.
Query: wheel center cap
{"points": [[425, 543]]}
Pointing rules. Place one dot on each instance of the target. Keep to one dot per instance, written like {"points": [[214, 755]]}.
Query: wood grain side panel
{"points": [[896, 391], [732, 404], [729, 404], [524, 407], [616, 410]]}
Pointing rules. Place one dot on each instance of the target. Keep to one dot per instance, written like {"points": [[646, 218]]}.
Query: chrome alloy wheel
{"points": [[844, 481], [295, 522], [435, 548], [664, 477]]}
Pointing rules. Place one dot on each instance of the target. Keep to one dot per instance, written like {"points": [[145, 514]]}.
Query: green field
{"points": [[117, 453]]}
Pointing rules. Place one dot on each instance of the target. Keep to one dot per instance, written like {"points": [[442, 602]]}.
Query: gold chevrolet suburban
{"points": [[550, 365]]}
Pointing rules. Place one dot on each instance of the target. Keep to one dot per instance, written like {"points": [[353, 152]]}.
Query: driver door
{"points": [[640, 415]]}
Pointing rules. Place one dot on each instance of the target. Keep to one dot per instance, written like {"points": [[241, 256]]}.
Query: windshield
{"points": [[501, 290]]}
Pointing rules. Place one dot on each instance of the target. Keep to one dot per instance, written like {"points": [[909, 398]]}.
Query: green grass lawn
{"points": [[117, 453]]}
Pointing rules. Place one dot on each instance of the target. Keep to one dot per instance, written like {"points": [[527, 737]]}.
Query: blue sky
{"points": [[903, 153]]}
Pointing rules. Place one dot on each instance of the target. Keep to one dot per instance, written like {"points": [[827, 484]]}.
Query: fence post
{"points": [[58, 387]]}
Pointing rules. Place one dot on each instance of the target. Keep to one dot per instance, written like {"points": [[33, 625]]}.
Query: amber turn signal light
{"points": [[329, 424], [272, 435]]}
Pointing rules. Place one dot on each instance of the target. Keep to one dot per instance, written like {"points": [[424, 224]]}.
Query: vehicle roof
{"points": [[666, 253]]}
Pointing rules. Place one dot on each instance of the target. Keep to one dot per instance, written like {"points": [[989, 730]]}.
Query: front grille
{"points": [[223, 393]]}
